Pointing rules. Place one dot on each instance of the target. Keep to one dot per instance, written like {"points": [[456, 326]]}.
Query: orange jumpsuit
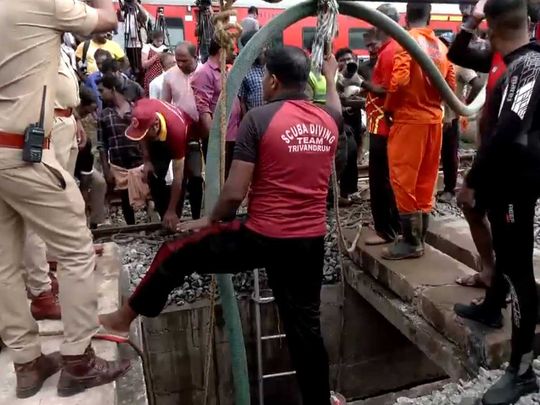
{"points": [[414, 144]]}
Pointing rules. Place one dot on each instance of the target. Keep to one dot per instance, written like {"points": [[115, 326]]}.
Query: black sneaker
{"points": [[488, 316], [511, 387]]}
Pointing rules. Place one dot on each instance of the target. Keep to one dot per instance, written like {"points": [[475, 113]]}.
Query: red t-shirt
{"points": [[177, 123], [498, 67], [489, 115], [382, 73], [292, 143]]}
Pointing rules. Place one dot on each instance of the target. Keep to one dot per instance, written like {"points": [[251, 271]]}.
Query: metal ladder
{"points": [[258, 300]]}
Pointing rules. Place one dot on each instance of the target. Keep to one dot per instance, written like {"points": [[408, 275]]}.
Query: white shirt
{"points": [[68, 46], [146, 48], [156, 87]]}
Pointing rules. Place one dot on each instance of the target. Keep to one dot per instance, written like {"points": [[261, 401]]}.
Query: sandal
{"points": [[473, 280]]}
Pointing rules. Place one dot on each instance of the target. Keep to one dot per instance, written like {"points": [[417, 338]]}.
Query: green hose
{"points": [[240, 69], [393, 29]]}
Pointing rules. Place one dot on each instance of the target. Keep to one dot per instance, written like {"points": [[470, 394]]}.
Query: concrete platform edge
{"points": [[132, 387]]}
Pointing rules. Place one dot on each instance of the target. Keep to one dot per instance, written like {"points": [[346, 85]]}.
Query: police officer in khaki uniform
{"points": [[64, 134], [45, 197], [65, 145]]}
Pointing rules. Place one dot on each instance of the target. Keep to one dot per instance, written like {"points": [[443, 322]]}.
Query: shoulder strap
{"points": [[85, 50]]}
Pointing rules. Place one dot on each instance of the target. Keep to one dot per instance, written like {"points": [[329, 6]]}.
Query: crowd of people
{"points": [[148, 116]]}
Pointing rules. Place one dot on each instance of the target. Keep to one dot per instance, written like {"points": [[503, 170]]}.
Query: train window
{"points": [[175, 27], [308, 35], [356, 38], [439, 32]]}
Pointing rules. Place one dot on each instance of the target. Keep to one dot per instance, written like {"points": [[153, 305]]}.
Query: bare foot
{"points": [[115, 323], [477, 280], [375, 240]]}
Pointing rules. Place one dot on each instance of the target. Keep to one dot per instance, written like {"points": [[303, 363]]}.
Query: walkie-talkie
{"points": [[34, 136]]}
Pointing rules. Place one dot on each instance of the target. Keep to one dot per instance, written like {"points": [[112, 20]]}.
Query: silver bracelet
{"points": [[467, 29]]}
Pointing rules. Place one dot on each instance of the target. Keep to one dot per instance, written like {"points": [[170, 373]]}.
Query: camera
{"points": [[350, 70]]}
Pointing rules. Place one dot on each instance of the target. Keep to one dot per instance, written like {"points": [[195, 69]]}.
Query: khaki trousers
{"points": [[46, 198], [64, 144], [35, 263], [95, 188]]}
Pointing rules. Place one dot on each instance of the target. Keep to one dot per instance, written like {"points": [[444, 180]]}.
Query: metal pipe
{"points": [[393, 29], [276, 375]]}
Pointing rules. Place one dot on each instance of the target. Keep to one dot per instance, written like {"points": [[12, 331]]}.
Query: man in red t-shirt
{"points": [[283, 156], [163, 129], [383, 202]]}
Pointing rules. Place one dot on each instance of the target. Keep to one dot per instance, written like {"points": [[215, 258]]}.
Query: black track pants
{"points": [[449, 155], [512, 226], [383, 203]]}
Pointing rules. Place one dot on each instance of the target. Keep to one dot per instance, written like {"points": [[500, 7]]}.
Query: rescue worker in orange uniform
{"points": [[414, 145]]}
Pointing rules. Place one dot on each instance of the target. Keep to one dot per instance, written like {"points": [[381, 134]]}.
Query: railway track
{"points": [[464, 158], [109, 231]]}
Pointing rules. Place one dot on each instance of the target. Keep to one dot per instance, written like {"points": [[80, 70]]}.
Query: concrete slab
{"points": [[453, 237], [106, 276], [484, 345], [406, 278], [427, 287]]}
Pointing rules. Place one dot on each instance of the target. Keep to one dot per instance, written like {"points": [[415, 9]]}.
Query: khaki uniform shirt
{"points": [[29, 60], [67, 90]]}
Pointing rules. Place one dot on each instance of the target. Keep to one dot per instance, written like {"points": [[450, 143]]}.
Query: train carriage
{"points": [[181, 19]]}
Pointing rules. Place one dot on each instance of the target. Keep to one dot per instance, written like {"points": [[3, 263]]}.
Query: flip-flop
{"points": [[473, 281]]}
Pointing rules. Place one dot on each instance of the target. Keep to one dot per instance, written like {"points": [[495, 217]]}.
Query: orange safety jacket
{"points": [[411, 97]]}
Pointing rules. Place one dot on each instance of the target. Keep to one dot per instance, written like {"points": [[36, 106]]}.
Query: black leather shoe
{"points": [[488, 316], [511, 387]]}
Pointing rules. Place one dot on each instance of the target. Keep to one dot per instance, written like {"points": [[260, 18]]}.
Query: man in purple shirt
{"points": [[206, 86]]}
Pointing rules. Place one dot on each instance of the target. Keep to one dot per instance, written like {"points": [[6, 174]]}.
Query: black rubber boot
{"points": [[511, 387], [425, 225], [482, 313], [410, 245]]}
